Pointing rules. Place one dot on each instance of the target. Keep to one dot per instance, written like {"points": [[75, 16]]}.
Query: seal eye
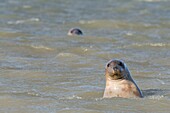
{"points": [[72, 31], [108, 65]]}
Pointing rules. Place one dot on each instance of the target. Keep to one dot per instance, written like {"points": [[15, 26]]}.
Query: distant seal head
{"points": [[119, 82], [74, 31]]}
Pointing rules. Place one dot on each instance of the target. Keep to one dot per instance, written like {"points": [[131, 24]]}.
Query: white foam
{"points": [[65, 54], [86, 22], [41, 47], [24, 21], [156, 97], [71, 97], [98, 99], [129, 33], [154, 0], [161, 81], [33, 94], [153, 44], [26, 6]]}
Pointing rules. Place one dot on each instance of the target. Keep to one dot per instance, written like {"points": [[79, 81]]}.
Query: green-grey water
{"points": [[42, 70]]}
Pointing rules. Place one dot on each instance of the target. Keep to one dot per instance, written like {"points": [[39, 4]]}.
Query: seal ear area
{"points": [[122, 64]]}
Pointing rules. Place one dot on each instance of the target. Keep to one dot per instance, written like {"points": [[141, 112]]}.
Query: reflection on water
{"points": [[44, 70]]}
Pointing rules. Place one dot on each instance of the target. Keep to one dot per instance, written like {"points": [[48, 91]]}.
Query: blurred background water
{"points": [[45, 71]]}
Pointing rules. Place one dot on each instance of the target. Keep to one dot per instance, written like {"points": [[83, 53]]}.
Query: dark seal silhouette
{"points": [[74, 31]]}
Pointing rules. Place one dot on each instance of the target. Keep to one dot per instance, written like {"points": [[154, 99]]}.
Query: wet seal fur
{"points": [[74, 31], [119, 82]]}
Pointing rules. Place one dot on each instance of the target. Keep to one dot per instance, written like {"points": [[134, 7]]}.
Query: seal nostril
{"points": [[115, 68]]}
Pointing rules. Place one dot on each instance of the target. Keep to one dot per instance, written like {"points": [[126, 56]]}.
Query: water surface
{"points": [[44, 70]]}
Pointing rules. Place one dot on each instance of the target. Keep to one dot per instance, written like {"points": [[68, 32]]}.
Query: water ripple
{"points": [[24, 21]]}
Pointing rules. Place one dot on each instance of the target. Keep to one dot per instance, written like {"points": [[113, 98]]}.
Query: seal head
{"points": [[119, 82], [115, 69], [74, 31]]}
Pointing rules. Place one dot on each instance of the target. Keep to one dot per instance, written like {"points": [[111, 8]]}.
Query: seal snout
{"points": [[117, 69]]}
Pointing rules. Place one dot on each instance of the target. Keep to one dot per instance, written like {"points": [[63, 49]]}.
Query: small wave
{"points": [[26, 93], [152, 44], [86, 22], [26, 6], [161, 81], [41, 47], [99, 99], [66, 55], [24, 21], [154, 0], [33, 93], [71, 97], [156, 97], [148, 44]]}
